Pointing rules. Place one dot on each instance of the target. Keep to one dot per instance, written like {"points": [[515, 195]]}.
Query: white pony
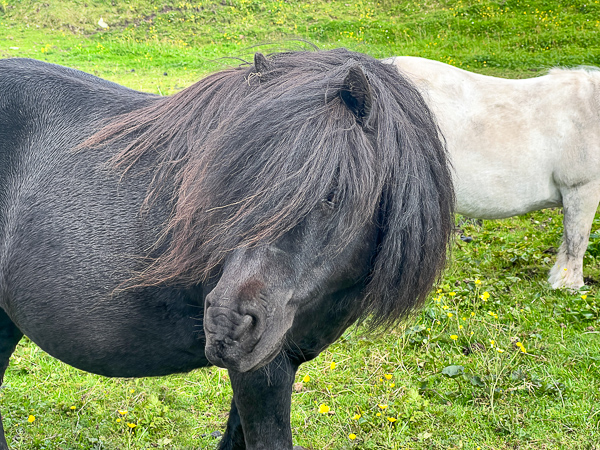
{"points": [[519, 146]]}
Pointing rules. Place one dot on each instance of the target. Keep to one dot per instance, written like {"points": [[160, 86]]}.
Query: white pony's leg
{"points": [[579, 206]]}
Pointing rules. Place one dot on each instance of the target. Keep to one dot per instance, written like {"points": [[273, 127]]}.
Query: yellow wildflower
{"points": [[31, 419], [453, 337], [392, 419], [382, 406], [452, 294], [332, 365], [324, 409], [73, 407], [388, 376], [352, 436], [131, 425], [521, 346], [357, 416], [478, 281], [306, 379], [122, 412]]}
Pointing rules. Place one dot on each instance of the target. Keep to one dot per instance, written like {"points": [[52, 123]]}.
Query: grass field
{"points": [[496, 360]]}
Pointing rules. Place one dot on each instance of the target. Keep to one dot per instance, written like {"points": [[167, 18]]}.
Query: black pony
{"points": [[246, 221]]}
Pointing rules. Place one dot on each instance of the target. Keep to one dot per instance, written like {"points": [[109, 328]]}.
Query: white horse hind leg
{"points": [[579, 209]]}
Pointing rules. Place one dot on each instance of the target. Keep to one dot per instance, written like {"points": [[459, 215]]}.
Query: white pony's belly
{"points": [[489, 199], [489, 184]]}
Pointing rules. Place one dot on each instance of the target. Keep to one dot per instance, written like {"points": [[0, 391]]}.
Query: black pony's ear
{"points": [[356, 94], [261, 63]]}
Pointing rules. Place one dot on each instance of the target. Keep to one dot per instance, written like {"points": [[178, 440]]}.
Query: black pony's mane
{"points": [[253, 150]]}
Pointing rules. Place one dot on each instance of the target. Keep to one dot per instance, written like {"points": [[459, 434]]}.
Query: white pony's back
{"points": [[520, 145]]}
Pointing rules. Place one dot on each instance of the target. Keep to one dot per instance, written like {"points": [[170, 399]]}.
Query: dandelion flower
{"points": [[584, 296], [382, 406], [392, 384], [477, 281], [31, 419], [332, 365], [450, 314], [485, 295], [306, 378], [452, 294], [73, 407], [521, 346], [356, 416], [378, 414], [392, 419], [500, 350], [453, 337], [131, 425], [324, 409], [388, 376], [122, 411], [472, 313], [351, 436], [118, 420]]}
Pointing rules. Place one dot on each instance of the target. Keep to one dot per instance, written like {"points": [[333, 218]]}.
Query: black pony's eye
{"points": [[332, 199]]}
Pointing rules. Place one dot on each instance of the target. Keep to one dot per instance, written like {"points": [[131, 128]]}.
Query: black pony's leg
{"points": [[233, 439], [9, 338], [261, 407]]}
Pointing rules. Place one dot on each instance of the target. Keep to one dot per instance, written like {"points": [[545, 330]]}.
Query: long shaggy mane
{"points": [[252, 151]]}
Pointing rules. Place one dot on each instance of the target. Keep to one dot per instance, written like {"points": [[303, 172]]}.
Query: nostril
{"points": [[257, 314], [243, 327]]}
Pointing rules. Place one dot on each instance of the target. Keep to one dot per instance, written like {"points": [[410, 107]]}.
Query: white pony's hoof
{"points": [[563, 278]]}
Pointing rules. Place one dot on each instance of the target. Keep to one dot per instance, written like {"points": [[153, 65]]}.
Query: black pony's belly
{"points": [[138, 350], [149, 332]]}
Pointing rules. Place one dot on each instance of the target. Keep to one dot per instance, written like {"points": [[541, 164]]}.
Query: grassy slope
{"points": [[545, 398]]}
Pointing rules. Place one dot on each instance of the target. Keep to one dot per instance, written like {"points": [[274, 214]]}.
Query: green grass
{"points": [[546, 398]]}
